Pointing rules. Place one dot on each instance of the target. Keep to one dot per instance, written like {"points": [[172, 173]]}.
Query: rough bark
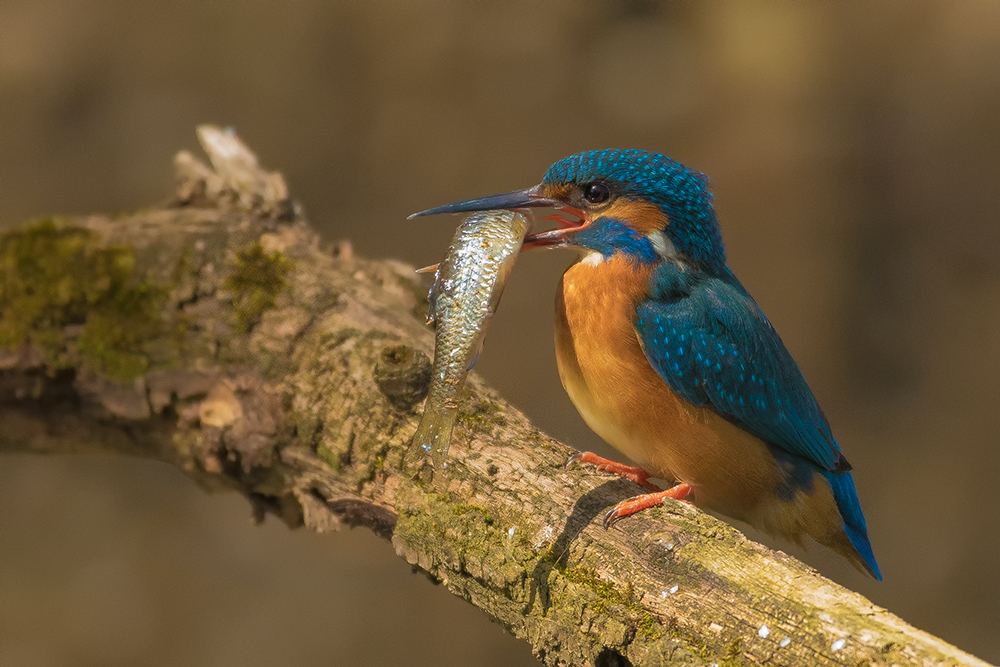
{"points": [[217, 333]]}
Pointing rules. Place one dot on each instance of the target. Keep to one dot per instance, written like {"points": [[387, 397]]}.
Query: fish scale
{"points": [[467, 288]]}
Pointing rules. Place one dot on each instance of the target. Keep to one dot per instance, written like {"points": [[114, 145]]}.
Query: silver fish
{"points": [[467, 289]]}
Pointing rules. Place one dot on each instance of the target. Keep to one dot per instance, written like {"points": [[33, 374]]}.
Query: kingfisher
{"points": [[669, 359]]}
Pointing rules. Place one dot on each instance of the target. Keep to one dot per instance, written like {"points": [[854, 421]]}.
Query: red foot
{"points": [[632, 505], [634, 473]]}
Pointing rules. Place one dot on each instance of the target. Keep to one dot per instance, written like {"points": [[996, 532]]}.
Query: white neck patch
{"points": [[662, 244], [592, 258]]}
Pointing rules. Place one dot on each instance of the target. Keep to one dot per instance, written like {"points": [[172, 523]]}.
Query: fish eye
{"points": [[596, 193]]}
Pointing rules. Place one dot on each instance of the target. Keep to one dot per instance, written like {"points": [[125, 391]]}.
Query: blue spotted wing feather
{"points": [[712, 345]]}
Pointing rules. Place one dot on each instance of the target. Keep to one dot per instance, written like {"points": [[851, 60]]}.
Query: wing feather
{"points": [[710, 342]]}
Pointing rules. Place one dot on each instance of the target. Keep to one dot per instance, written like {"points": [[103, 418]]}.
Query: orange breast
{"points": [[623, 399]]}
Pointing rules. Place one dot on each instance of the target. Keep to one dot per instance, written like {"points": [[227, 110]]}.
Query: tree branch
{"points": [[217, 334]]}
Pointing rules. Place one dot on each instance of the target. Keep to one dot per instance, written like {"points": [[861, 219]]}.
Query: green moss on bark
{"points": [[479, 415], [256, 280], [59, 283]]}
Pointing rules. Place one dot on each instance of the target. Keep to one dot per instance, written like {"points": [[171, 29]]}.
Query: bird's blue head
{"points": [[626, 198], [642, 204]]}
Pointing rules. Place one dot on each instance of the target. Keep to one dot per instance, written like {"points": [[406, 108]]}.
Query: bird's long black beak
{"points": [[527, 198]]}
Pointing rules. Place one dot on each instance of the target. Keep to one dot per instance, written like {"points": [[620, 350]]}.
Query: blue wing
{"points": [[710, 342]]}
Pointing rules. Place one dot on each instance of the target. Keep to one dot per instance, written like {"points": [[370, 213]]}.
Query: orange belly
{"points": [[607, 376]]}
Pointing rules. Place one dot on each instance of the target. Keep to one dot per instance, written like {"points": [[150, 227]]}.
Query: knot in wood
{"points": [[403, 375]]}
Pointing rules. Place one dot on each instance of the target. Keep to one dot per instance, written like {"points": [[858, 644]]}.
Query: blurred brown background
{"points": [[855, 154]]}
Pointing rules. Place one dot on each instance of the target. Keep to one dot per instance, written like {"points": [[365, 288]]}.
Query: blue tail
{"points": [[842, 485]]}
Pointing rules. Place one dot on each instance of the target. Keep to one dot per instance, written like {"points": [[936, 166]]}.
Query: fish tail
{"points": [[433, 436]]}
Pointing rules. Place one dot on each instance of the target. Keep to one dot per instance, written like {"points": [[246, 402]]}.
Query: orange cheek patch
{"points": [[641, 216]]}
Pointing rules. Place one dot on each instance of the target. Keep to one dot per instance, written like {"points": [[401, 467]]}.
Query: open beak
{"points": [[528, 198]]}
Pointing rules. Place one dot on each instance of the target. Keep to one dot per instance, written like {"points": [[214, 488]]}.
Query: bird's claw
{"points": [[611, 517], [638, 503]]}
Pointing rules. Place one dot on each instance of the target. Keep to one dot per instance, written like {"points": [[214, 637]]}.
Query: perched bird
{"points": [[670, 360]]}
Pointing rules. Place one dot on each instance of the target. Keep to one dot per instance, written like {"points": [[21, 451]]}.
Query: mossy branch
{"points": [[218, 334]]}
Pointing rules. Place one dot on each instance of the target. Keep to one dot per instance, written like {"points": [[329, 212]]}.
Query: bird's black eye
{"points": [[596, 193]]}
